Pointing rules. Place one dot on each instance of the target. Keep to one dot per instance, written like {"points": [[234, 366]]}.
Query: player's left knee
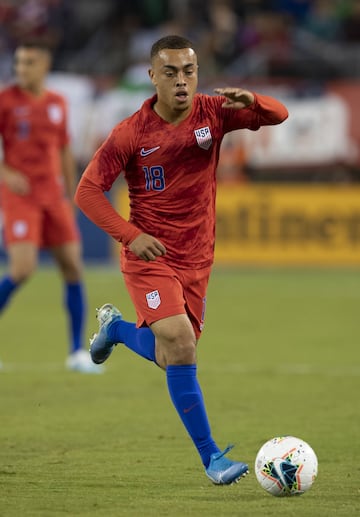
{"points": [[179, 349], [183, 354], [175, 341]]}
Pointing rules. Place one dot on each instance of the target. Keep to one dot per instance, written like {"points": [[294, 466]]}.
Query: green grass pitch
{"points": [[279, 355]]}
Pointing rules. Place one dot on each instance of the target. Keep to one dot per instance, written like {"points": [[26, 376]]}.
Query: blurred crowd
{"points": [[251, 38]]}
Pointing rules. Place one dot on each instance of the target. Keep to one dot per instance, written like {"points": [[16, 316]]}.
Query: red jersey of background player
{"points": [[170, 171], [33, 130]]}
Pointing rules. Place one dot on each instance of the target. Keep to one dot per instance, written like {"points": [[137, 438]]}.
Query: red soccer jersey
{"points": [[33, 130], [170, 171]]}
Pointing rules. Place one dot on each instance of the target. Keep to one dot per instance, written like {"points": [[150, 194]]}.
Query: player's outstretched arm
{"points": [[263, 110], [236, 98]]}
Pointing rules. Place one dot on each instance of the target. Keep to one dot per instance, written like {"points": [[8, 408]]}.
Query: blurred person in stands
{"points": [[37, 183], [322, 20]]}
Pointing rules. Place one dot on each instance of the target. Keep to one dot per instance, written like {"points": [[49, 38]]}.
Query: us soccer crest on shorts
{"points": [[153, 299], [203, 137]]}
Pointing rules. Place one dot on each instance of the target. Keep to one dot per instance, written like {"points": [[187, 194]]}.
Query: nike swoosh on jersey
{"points": [[146, 152]]}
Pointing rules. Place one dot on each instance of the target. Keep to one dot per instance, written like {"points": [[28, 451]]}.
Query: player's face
{"points": [[174, 74], [31, 66]]}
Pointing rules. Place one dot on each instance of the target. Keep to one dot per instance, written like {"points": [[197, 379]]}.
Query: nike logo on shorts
{"points": [[146, 152]]}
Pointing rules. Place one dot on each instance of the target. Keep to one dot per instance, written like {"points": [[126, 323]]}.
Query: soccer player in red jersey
{"points": [[169, 151], [37, 183]]}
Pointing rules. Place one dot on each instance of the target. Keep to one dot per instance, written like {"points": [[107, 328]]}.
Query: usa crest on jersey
{"points": [[203, 137], [153, 299], [55, 113]]}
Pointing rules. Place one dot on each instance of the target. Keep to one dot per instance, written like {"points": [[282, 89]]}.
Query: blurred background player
{"points": [[37, 180], [169, 150]]}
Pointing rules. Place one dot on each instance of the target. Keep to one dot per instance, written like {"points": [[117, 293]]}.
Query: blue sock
{"points": [[76, 307], [7, 287], [139, 340], [187, 398]]}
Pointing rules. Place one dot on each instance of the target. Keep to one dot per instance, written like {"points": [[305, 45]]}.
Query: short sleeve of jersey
{"points": [[113, 155]]}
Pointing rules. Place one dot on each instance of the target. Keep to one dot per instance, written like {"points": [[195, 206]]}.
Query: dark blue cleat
{"points": [[223, 471], [100, 345]]}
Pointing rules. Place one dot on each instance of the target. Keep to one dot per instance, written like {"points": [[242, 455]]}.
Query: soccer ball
{"points": [[286, 466]]}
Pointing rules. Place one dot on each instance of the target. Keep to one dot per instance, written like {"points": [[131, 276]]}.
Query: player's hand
{"points": [[16, 182], [236, 98], [147, 247]]}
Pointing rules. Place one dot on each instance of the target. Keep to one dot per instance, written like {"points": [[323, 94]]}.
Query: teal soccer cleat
{"points": [[100, 345], [223, 471]]}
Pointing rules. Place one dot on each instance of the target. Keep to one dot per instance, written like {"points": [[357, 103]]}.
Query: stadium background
{"points": [[287, 195], [280, 350]]}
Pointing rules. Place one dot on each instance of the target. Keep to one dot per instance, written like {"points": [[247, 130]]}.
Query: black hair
{"points": [[35, 44], [172, 42]]}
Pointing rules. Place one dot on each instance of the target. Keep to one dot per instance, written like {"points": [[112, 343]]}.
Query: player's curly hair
{"points": [[172, 42]]}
